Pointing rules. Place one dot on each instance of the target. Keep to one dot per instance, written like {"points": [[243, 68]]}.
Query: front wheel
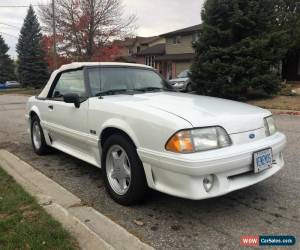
{"points": [[189, 88], [37, 137], [123, 171]]}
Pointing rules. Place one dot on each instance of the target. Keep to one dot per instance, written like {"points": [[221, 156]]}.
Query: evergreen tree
{"points": [[6, 64], [32, 67], [288, 21], [238, 49]]}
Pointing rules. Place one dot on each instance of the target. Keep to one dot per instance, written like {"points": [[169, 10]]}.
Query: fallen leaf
{"points": [[139, 222]]}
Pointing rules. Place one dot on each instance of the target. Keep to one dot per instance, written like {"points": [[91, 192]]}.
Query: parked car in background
{"points": [[12, 84], [182, 82], [125, 119]]}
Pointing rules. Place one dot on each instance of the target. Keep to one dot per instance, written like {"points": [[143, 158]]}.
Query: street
{"points": [[164, 222]]}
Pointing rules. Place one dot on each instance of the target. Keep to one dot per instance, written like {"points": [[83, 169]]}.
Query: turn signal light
{"points": [[181, 142]]}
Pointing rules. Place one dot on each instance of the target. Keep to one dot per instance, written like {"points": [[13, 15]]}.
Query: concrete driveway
{"points": [[269, 208]]}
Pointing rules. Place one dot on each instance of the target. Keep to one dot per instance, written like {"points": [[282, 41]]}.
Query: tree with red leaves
{"points": [[47, 46], [86, 27]]}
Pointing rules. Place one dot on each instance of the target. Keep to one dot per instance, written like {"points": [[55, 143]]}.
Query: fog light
{"points": [[208, 182]]}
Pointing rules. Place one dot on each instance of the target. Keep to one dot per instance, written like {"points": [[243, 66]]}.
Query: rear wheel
{"points": [[37, 137], [123, 171]]}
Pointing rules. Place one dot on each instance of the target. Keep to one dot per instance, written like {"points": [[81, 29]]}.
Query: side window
{"points": [[70, 82]]}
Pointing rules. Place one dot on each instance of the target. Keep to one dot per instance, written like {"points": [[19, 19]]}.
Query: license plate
{"points": [[262, 160]]}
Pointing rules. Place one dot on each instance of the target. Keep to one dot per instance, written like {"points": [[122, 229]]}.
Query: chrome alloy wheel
{"points": [[36, 135], [118, 169]]}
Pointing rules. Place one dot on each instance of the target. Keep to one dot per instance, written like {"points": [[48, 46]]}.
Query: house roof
{"points": [[158, 49], [130, 41], [126, 59], [147, 40], [184, 31], [176, 57], [125, 43]]}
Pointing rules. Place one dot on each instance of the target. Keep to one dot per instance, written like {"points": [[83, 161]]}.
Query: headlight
{"points": [[270, 126], [179, 84], [196, 140]]}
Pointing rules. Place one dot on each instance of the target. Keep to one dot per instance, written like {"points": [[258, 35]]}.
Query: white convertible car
{"points": [[125, 119]]}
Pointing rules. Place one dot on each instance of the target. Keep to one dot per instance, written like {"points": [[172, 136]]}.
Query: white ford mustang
{"points": [[125, 119]]}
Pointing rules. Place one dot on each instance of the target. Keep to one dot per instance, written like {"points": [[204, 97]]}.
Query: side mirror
{"points": [[72, 98]]}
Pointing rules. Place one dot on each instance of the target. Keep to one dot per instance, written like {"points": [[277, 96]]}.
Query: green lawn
{"points": [[20, 91], [24, 224]]}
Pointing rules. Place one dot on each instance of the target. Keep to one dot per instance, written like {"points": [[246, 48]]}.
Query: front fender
{"points": [[122, 125], [35, 109]]}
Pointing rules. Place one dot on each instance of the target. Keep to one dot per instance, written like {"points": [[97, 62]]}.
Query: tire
{"points": [[39, 144], [124, 189], [189, 88]]}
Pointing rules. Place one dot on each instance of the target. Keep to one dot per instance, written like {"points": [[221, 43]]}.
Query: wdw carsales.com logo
{"points": [[249, 241], [256, 240]]}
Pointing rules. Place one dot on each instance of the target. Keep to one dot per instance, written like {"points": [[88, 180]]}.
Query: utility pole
{"points": [[54, 36]]}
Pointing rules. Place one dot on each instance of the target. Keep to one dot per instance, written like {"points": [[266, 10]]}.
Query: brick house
{"points": [[148, 56], [179, 52], [130, 48]]}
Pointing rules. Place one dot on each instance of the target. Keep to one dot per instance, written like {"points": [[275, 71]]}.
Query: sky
{"points": [[154, 17]]}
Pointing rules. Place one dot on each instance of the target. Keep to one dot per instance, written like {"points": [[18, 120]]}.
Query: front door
{"points": [[66, 124]]}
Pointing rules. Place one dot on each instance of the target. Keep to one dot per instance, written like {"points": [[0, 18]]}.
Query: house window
{"points": [[196, 37], [176, 39], [138, 49]]}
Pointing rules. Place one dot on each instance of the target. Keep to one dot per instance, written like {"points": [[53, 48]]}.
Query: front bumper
{"points": [[182, 174]]}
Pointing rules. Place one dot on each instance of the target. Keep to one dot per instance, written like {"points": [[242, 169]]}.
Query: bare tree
{"points": [[85, 26]]}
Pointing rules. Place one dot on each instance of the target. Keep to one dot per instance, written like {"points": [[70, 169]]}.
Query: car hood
{"points": [[179, 79], [203, 111]]}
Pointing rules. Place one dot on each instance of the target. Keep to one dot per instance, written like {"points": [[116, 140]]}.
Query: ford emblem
{"points": [[252, 136]]}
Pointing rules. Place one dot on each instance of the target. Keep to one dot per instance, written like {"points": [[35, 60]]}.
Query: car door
{"points": [[66, 124]]}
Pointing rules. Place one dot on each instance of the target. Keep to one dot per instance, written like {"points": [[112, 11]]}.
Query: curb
{"points": [[91, 229]]}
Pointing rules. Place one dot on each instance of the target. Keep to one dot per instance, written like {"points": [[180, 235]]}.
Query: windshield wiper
{"points": [[149, 89], [114, 91]]}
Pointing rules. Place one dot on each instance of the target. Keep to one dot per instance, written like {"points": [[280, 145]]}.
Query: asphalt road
{"points": [[268, 208]]}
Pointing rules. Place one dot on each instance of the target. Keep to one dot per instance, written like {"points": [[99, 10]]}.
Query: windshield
{"points": [[184, 74], [106, 80]]}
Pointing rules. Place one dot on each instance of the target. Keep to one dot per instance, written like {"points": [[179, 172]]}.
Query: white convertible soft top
{"points": [[77, 65]]}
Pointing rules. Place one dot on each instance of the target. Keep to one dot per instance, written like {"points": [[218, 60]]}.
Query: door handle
{"points": [[50, 107]]}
